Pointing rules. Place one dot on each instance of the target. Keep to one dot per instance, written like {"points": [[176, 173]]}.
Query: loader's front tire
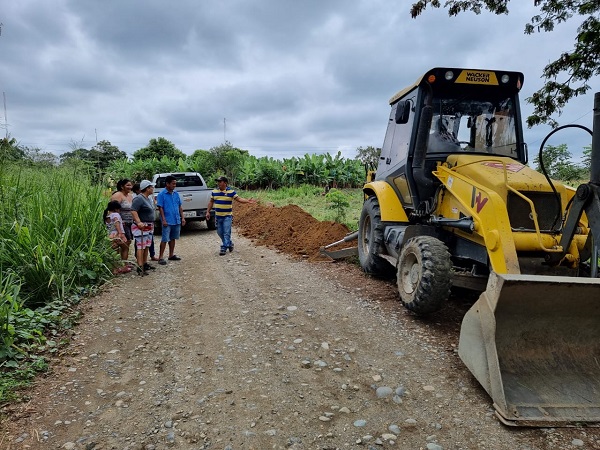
{"points": [[424, 274], [370, 241]]}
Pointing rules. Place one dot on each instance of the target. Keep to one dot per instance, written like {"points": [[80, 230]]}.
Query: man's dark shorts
{"points": [[170, 233]]}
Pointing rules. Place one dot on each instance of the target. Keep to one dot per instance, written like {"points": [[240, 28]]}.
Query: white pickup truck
{"points": [[194, 195]]}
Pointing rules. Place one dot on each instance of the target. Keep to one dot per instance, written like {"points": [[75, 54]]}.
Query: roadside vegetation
{"points": [[53, 252]]}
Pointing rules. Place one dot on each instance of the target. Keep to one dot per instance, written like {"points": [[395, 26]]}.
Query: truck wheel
{"points": [[424, 274], [210, 223], [370, 241]]}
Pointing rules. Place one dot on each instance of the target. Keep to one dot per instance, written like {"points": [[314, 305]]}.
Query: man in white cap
{"points": [[142, 210]]}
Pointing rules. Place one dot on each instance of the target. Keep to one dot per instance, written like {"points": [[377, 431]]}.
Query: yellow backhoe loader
{"points": [[453, 204]]}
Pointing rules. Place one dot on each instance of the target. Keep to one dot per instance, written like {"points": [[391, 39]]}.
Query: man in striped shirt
{"points": [[222, 201]]}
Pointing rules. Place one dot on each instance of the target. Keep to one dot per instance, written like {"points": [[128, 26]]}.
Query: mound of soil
{"points": [[288, 229]]}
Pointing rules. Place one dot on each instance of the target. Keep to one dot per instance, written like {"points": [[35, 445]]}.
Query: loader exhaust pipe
{"points": [[423, 180], [595, 166]]}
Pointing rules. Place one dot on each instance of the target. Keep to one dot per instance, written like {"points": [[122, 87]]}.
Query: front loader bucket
{"points": [[533, 342]]}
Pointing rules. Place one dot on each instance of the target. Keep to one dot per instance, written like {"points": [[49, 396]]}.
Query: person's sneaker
{"points": [[222, 252], [149, 267], [231, 248], [162, 262]]}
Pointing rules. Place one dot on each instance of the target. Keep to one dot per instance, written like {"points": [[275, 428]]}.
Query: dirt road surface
{"points": [[264, 348]]}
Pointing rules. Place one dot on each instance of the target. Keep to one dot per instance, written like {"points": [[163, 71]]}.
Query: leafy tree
{"points": [[157, 148], [105, 153], [291, 172], [248, 171], [558, 165], [369, 156], [96, 160], [268, 172], [577, 66], [10, 150], [203, 161], [352, 174], [37, 157], [81, 154], [334, 165], [586, 161], [314, 169], [228, 159]]}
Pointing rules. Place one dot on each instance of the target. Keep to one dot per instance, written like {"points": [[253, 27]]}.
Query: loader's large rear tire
{"points": [[370, 241], [424, 274]]}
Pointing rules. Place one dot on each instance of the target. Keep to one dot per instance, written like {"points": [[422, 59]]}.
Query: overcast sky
{"points": [[275, 77]]}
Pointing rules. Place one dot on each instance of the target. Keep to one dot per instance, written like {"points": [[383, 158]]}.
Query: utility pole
{"points": [[5, 118], [224, 131], [4, 98]]}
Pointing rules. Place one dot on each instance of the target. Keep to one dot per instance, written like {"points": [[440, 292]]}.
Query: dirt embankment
{"points": [[289, 229]]}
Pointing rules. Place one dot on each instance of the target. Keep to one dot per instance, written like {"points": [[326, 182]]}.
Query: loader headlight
{"points": [[449, 75], [505, 78]]}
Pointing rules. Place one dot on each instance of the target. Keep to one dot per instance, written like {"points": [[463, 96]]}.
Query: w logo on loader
{"points": [[477, 201]]}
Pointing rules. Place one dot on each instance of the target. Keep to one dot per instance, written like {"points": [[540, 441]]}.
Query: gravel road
{"points": [[256, 350]]}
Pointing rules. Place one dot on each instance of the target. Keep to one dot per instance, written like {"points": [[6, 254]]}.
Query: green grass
{"points": [[313, 200], [11, 383], [51, 232]]}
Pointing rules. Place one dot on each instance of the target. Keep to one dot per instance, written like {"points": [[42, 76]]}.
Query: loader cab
{"points": [[449, 111]]}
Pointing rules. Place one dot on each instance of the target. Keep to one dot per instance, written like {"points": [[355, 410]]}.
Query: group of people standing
{"points": [[129, 217]]}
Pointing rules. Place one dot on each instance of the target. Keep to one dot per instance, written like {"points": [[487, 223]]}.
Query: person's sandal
{"points": [[174, 258]]}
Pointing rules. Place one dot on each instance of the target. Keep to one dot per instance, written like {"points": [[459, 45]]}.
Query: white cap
{"points": [[145, 183]]}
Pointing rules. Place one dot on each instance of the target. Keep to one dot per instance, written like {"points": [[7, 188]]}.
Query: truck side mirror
{"points": [[402, 112]]}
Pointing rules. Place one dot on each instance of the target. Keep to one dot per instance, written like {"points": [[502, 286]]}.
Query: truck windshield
{"points": [[183, 180], [479, 125]]}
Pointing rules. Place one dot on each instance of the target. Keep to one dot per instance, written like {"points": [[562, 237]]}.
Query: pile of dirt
{"points": [[288, 229]]}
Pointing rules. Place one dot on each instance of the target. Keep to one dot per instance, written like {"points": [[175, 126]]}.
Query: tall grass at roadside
{"points": [[313, 200], [10, 305], [51, 232]]}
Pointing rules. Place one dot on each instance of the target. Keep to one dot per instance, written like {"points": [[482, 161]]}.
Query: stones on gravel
{"points": [[383, 391], [433, 446], [394, 429]]}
